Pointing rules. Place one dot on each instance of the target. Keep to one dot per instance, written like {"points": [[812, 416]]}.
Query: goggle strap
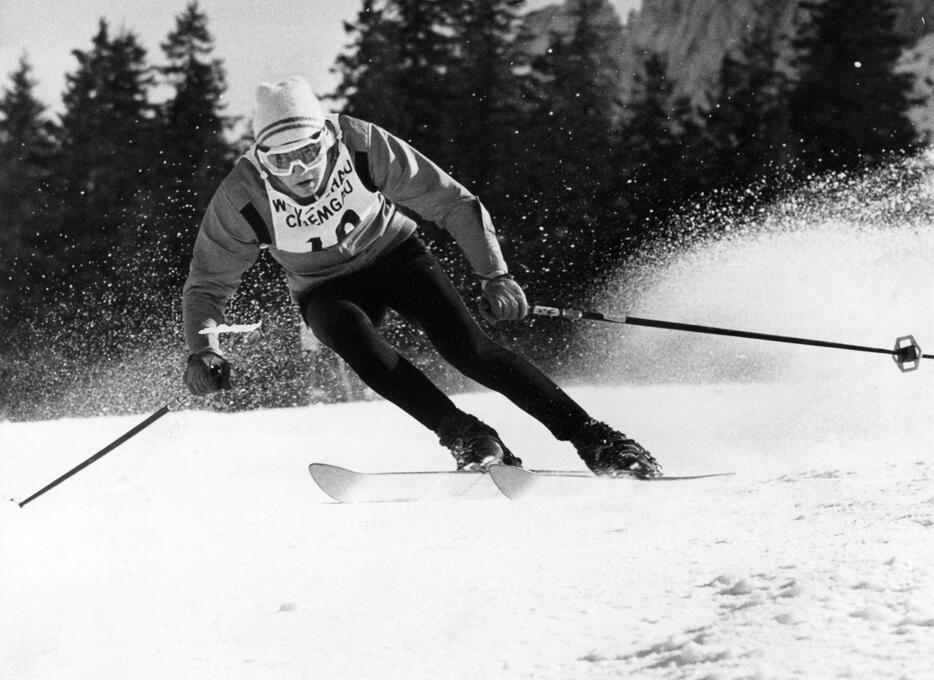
{"points": [[285, 125]]}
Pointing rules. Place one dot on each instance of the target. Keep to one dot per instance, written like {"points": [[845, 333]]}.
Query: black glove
{"points": [[207, 371], [502, 299]]}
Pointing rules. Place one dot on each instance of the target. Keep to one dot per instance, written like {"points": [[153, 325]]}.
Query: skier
{"points": [[328, 196]]}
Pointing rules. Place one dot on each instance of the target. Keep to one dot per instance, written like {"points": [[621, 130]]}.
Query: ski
{"points": [[349, 486], [516, 483]]}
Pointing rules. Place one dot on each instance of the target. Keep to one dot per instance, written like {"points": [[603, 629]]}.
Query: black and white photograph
{"points": [[467, 339]]}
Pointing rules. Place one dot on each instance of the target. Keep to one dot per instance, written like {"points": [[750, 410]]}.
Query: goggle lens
{"points": [[306, 154]]}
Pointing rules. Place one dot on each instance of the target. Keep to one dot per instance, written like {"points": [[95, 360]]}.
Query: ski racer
{"points": [[328, 195]]}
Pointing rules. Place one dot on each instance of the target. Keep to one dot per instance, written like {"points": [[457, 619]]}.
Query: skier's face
{"points": [[301, 165], [304, 182]]}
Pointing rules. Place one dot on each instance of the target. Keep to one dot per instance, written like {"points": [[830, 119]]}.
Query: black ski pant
{"points": [[345, 314]]}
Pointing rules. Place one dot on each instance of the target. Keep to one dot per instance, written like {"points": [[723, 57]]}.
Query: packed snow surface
{"points": [[202, 548]]}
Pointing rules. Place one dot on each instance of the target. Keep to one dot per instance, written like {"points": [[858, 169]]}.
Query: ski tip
{"points": [[335, 481], [349, 486], [513, 482]]}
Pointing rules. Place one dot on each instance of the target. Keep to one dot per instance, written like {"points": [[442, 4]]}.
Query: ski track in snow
{"points": [[201, 549]]}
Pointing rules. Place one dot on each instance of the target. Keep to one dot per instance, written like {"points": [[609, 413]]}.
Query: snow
{"points": [[202, 549]]}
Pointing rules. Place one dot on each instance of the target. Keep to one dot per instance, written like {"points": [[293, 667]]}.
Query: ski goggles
{"points": [[307, 154]]}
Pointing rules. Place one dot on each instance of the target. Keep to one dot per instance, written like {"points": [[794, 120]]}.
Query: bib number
{"points": [[350, 220]]}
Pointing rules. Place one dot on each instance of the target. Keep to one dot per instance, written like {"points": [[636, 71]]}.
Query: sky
{"points": [[257, 41]]}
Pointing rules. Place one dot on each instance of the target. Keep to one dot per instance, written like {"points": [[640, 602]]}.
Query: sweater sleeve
{"points": [[224, 249], [406, 177]]}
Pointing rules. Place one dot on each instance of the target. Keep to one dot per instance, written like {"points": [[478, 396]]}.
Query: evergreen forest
{"points": [[100, 204]]}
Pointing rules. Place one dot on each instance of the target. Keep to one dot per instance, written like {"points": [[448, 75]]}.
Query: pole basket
{"points": [[907, 353]]}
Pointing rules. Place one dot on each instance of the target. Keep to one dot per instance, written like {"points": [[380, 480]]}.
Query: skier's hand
{"points": [[207, 372], [502, 299]]}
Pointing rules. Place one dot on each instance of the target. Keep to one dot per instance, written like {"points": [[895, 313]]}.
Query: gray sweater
{"points": [[348, 224]]}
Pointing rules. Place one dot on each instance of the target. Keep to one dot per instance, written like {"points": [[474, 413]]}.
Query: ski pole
{"points": [[107, 449], [214, 330], [906, 354]]}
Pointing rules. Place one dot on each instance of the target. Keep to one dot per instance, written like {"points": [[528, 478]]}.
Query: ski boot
{"points": [[474, 444], [609, 453]]}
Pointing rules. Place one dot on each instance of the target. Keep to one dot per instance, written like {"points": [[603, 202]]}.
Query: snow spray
{"points": [[842, 258]]}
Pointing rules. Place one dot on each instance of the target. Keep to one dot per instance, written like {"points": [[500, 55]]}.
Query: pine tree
{"points": [[480, 119], [367, 87], [406, 70], [426, 49], [487, 99], [663, 154], [193, 152], [571, 179], [193, 125], [747, 121], [26, 148], [395, 73], [848, 104], [106, 139]]}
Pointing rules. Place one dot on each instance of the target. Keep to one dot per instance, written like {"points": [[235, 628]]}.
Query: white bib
{"points": [[329, 220]]}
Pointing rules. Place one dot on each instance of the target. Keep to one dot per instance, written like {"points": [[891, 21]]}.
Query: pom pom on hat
{"points": [[286, 112]]}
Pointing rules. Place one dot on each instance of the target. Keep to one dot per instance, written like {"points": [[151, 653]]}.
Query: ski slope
{"points": [[202, 549]]}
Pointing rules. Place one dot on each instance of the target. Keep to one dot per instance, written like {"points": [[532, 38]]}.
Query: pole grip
{"points": [[575, 314], [542, 310]]}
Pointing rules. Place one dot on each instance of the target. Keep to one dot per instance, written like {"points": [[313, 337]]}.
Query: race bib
{"points": [[331, 219]]}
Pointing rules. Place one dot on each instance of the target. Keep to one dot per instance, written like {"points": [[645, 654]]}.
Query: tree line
{"points": [[100, 207]]}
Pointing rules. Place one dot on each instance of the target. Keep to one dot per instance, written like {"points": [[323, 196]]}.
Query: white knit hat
{"points": [[286, 112]]}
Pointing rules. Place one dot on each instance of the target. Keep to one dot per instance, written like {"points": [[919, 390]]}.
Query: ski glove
{"points": [[207, 371], [502, 299]]}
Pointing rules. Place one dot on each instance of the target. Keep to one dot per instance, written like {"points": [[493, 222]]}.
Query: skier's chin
{"points": [[303, 187]]}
